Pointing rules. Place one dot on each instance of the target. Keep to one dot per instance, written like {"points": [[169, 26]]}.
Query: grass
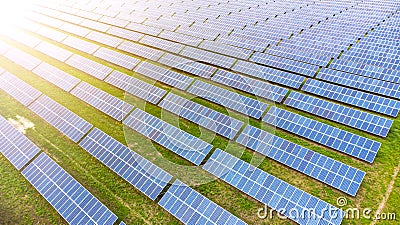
{"points": [[21, 204]]}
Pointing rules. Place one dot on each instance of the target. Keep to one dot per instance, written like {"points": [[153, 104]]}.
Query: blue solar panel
{"points": [[186, 145], [88, 66], [164, 75], [71, 200], [201, 115], [269, 74], [117, 58], [229, 99], [249, 85], [190, 207], [138, 171], [353, 97], [343, 141], [102, 101], [208, 57], [162, 44], [56, 76], [18, 89], [313, 164], [272, 191], [136, 87], [70, 124], [141, 50], [18, 149], [342, 114]]}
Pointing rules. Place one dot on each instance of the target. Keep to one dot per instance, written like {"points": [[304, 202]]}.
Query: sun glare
{"points": [[12, 13]]}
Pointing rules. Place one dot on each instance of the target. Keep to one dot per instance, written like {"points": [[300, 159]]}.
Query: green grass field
{"points": [[20, 203]]}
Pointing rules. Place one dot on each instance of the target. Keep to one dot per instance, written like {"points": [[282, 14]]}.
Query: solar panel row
{"points": [[22, 58], [313, 164], [104, 39], [56, 76], [117, 58], [343, 141], [71, 200], [54, 51], [18, 89], [271, 191], [186, 145], [88, 66], [201, 115]]}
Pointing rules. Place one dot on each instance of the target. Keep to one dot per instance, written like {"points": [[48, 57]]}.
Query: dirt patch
{"points": [[21, 123]]}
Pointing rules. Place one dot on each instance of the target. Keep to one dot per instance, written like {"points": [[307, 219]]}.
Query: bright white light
{"points": [[12, 12]]}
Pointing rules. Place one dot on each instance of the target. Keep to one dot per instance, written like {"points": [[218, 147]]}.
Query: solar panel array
{"points": [[201, 115], [229, 99], [71, 200], [345, 115], [186, 145], [18, 89], [56, 76], [190, 207], [18, 149], [117, 58], [22, 58], [138, 171], [54, 51], [70, 124], [102, 101], [343, 141], [88, 66], [271, 191], [319, 167]]}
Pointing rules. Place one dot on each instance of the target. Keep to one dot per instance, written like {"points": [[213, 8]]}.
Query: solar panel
{"points": [[343, 141], [104, 39], [124, 33], [138, 171], [113, 21], [117, 58], [23, 38], [164, 75], [54, 51], [249, 85], [4, 47], [22, 58], [342, 114], [136, 87], [56, 76], [313, 164], [102, 101], [88, 66], [190, 207], [187, 65], [162, 44], [208, 57], [349, 96], [18, 89], [181, 38], [201, 115], [141, 50], [269, 74], [18, 149], [95, 25], [80, 45], [74, 29], [185, 145], [71, 200], [272, 191], [70, 124], [229, 99], [51, 34], [229, 50], [359, 82]]}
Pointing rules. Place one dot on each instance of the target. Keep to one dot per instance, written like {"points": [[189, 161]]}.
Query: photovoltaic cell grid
{"points": [[88, 66], [229, 99], [102, 101], [140, 50], [208, 57], [18, 149], [271, 191], [104, 39], [71, 200], [349, 96], [164, 75], [136, 87], [345, 115], [138, 171], [187, 65], [190, 207], [18, 89], [201, 115], [70, 124], [186, 145], [249, 85], [80, 44], [313, 164], [22, 58], [343, 141], [54, 51], [117, 58], [56, 76]]}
